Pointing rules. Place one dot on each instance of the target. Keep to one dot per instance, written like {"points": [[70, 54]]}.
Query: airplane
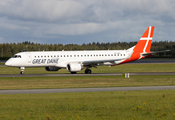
{"points": [[75, 61]]}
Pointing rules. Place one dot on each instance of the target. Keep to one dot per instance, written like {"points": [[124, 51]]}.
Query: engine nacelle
{"points": [[74, 67], [52, 68]]}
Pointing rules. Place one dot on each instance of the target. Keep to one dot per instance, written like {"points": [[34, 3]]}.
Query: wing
{"points": [[95, 62]]}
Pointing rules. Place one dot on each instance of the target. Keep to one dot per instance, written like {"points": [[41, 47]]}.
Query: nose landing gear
{"points": [[22, 70]]}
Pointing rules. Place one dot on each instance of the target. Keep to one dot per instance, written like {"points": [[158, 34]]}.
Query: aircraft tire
{"points": [[22, 72], [73, 72], [88, 71]]}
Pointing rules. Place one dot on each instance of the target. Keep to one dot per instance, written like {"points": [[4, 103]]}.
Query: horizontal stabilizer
{"points": [[154, 52]]}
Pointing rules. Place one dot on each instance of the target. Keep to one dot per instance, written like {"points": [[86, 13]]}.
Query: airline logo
{"points": [[45, 61], [146, 39], [143, 46]]}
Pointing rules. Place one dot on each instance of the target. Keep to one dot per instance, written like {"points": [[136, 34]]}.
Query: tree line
{"points": [[9, 49]]}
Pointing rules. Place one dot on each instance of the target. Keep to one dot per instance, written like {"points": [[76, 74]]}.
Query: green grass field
{"points": [[83, 81], [118, 105], [123, 105], [2, 63]]}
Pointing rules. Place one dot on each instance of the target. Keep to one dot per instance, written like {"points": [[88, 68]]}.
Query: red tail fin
{"points": [[143, 46]]}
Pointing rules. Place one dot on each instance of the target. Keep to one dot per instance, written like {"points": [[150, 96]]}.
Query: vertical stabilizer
{"points": [[143, 46]]}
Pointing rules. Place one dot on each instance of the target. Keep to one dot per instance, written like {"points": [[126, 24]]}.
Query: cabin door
{"points": [[29, 57]]}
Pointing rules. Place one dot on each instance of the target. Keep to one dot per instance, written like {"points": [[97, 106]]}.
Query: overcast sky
{"points": [[85, 21]]}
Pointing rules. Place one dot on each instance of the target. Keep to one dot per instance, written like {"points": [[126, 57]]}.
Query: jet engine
{"points": [[74, 67], [52, 68]]}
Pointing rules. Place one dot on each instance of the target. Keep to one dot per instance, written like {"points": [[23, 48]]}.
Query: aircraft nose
{"points": [[8, 63]]}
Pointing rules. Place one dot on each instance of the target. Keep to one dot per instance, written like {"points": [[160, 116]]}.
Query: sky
{"points": [[85, 21]]}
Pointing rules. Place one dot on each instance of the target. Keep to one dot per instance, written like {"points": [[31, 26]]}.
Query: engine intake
{"points": [[74, 67]]}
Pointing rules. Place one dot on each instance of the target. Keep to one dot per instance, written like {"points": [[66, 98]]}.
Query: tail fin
{"points": [[143, 46]]}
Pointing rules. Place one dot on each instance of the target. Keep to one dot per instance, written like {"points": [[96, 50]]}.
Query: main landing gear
{"points": [[22, 70], [88, 71], [73, 72]]}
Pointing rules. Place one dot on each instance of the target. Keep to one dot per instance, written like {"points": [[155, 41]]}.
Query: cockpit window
{"points": [[16, 56]]}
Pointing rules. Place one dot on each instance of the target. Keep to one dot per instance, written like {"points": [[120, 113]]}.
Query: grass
{"points": [[118, 105], [123, 105], [83, 81], [100, 69], [2, 63]]}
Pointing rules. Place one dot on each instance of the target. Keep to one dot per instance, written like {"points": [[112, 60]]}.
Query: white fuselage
{"points": [[62, 58]]}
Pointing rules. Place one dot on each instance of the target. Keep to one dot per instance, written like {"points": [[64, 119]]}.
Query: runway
{"points": [[81, 74], [68, 90]]}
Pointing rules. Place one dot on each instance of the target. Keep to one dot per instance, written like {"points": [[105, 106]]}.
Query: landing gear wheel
{"points": [[73, 72], [88, 71], [22, 72]]}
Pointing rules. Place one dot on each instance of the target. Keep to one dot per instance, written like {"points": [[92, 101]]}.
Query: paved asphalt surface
{"points": [[68, 90]]}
